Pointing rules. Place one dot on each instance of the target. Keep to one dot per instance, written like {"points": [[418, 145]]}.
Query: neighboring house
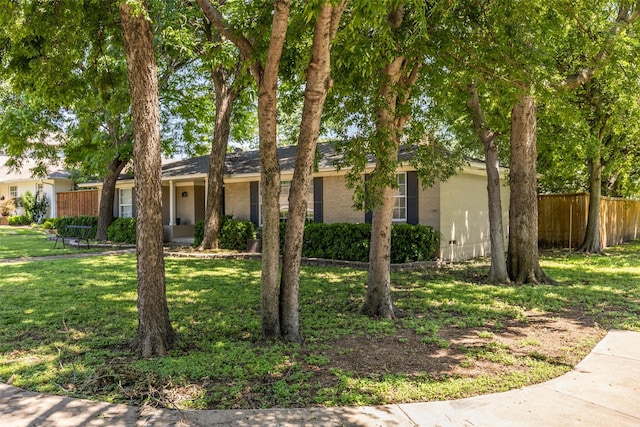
{"points": [[456, 208], [14, 184]]}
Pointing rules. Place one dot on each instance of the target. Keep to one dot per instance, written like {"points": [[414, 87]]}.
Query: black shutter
{"points": [[254, 202], [116, 203], [368, 214], [133, 203], [317, 199], [412, 197]]}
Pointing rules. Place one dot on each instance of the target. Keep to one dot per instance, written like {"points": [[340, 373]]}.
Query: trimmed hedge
{"points": [[122, 230], [411, 243], [350, 242], [234, 233], [61, 223], [342, 241]]}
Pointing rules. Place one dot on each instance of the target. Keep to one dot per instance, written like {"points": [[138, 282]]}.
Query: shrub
{"points": [[413, 243], [35, 206], [234, 234], [198, 233], [122, 230], [7, 207], [48, 225], [19, 220], [198, 229], [62, 222], [341, 241], [351, 242]]}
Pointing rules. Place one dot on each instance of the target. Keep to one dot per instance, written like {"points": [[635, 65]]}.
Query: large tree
{"points": [[81, 90], [613, 26], [283, 301], [227, 71], [523, 262], [498, 272], [382, 51], [263, 62], [155, 333], [317, 84], [511, 49]]}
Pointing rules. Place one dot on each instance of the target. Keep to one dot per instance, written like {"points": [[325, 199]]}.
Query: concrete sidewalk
{"points": [[602, 390]]}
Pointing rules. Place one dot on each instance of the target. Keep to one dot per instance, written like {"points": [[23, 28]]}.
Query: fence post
{"points": [[570, 223]]}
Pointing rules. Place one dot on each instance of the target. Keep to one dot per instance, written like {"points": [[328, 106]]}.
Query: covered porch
{"points": [[183, 205]]}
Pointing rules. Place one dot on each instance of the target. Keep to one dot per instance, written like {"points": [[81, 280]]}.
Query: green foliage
{"points": [[218, 363], [122, 230], [351, 242], [234, 234], [35, 206], [61, 224], [337, 241], [413, 243], [19, 220], [198, 233]]}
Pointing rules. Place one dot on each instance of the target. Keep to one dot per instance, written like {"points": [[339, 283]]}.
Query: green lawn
{"points": [[66, 326], [18, 242]]}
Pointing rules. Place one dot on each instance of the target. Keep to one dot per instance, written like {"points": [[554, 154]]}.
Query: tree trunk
{"points": [[591, 243], [523, 263], [107, 196], [318, 83], [498, 270], [155, 334], [267, 80], [225, 97], [378, 301], [397, 79]]}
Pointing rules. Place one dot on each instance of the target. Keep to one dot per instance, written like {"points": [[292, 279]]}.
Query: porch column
{"points": [[206, 191], [172, 203]]}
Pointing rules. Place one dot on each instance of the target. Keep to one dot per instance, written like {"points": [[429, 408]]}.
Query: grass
{"points": [[18, 242], [66, 326]]}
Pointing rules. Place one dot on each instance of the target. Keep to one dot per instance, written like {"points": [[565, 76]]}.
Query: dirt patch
{"points": [[460, 353], [563, 340]]}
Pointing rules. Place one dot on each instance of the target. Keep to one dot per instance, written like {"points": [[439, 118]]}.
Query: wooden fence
{"points": [[562, 220], [77, 203]]}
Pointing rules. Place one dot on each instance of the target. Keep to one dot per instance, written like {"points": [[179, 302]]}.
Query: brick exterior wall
{"points": [[236, 200], [338, 202]]}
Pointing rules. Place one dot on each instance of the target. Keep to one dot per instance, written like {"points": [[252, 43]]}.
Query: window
{"points": [[39, 189], [285, 189], [400, 205], [125, 203], [13, 191]]}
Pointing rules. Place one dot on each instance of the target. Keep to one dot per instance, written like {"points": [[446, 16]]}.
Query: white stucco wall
{"points": [[464, 219]]}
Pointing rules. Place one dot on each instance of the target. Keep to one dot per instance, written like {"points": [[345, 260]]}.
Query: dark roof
{"points": [[192, 166], [248, 162]]}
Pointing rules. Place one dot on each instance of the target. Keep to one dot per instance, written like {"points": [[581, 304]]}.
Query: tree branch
{"points": [[626, 16], [226, 29]]}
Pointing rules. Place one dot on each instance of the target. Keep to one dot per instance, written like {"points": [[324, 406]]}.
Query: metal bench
{"points": [[74, 232]]}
